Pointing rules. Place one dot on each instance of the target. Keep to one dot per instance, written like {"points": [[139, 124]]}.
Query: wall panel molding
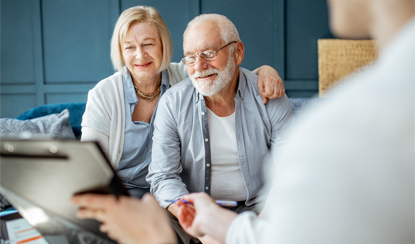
{"points": [[38, 52], [279, 37], [55, 51]]}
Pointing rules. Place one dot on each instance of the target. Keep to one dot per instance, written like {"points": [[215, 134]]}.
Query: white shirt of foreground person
{"points": [[347, 172]]}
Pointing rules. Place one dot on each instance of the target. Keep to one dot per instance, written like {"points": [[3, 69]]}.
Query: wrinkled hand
{"points": [[205, 217], [269, 83], [127, 220]]}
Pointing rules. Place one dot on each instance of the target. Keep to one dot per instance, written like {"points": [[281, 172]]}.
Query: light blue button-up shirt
{"points": [[137, 147], [181, 156]]}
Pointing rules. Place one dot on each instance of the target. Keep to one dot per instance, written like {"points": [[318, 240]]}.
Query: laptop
{"points": [[39, 177]]}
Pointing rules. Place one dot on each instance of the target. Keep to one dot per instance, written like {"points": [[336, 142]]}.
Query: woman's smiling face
{"points": [[142, 51]]}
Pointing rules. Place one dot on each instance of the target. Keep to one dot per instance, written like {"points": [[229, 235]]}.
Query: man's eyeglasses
{"points": [[206, 55]]}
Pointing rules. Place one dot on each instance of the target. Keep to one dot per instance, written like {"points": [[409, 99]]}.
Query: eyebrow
{"points": [[146, 39]]}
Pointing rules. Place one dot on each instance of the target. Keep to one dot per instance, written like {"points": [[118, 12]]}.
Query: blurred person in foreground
{"points": [[345, 176]]}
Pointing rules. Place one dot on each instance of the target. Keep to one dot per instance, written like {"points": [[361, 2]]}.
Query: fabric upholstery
{"points": [[299, 104], [76, 110], [54, 125]]}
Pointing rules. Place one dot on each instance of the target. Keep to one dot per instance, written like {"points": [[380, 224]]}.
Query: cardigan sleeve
{"points": [[177, 72]]}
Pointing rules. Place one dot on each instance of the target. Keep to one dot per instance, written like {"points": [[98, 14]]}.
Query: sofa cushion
{"points": [[299, 104], [76, 110], [54, 125]]}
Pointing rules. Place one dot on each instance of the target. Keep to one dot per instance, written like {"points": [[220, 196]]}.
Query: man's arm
{"points": [[165, 168], [282, 118]]}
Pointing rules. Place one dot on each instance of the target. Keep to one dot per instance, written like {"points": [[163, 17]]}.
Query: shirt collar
{"points": [[129, 91], [242, 83]]}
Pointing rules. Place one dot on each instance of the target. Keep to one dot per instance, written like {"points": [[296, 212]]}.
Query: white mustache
{"points": [[204, 73]]}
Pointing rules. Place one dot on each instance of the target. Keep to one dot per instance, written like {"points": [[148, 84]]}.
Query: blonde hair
{"points": [[132, 16]]}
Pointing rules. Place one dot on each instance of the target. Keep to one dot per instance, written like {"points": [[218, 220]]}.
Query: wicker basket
{"points": [[338, 58]]}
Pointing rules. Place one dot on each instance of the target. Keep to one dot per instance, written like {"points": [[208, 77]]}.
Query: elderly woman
{"points": [[121, 108]]}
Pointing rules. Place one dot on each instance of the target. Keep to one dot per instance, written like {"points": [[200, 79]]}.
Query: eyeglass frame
{"points": [[199, 54]]}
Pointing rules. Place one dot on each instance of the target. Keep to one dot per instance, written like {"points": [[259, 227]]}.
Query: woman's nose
{"points": [[140, 54]]}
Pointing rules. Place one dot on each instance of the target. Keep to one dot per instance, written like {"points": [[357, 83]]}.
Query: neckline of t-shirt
{"points": [[228, 117]]}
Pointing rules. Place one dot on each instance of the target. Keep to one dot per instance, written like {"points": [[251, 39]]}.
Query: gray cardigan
{"points": [[103, 120]]}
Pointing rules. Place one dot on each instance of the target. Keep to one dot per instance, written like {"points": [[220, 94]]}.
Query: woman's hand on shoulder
{"points": [[269, 83]]}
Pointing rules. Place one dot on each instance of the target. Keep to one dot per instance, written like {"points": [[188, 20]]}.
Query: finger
{"points": [[261, 84], [183, 217], [189, 198], [186, 219], [86, 213], [283, 91], [268, 89], [276, 93], [103, 228], [180, 203], [100, 215], [265, 99], [92, 200]]}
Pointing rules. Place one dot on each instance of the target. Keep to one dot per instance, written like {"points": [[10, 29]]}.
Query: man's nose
{"points": [[200, 64]]}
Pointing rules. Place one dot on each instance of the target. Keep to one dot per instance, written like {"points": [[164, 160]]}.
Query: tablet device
{"points": [[39, 177]]}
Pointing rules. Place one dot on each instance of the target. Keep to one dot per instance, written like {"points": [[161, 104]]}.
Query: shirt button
{"points": [[208, 165], [203, 113], [206, 139], [206, 187]]}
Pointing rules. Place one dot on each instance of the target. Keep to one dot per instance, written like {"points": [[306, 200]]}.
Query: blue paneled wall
{"points": [[55, 51]]}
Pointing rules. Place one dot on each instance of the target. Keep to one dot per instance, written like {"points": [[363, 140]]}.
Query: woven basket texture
{"points": [[339, 58]]}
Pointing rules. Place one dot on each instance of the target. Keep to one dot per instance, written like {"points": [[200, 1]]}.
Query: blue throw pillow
{"points": [[53, 125], [76, 111]]}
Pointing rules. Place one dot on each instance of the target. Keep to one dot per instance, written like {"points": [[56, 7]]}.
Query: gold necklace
{"points": [[150, 96]]}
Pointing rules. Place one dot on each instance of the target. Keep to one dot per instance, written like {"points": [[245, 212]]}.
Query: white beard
{"points": [[209, 88]]}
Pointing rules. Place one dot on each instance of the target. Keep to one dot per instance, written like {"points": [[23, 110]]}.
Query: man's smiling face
{"points": [[211, 76]]}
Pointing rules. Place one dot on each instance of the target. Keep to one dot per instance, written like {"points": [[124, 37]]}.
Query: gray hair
{"points": [[228, 30]]}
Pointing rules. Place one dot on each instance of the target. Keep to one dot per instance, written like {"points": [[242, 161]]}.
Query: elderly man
{"points": [[212, 131]]}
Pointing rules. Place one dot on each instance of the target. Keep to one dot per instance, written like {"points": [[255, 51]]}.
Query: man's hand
{"points": [[127, 220], [205, 217], [269, 83]]}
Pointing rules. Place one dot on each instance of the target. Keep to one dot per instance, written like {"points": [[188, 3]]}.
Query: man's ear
{"points": [[239, 52]]}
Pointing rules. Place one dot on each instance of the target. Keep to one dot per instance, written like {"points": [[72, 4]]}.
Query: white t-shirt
{"points": [[227, 181]]}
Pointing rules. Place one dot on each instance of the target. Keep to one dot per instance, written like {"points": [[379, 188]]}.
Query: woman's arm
{"points": [[269, 83], [89, 134]]}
